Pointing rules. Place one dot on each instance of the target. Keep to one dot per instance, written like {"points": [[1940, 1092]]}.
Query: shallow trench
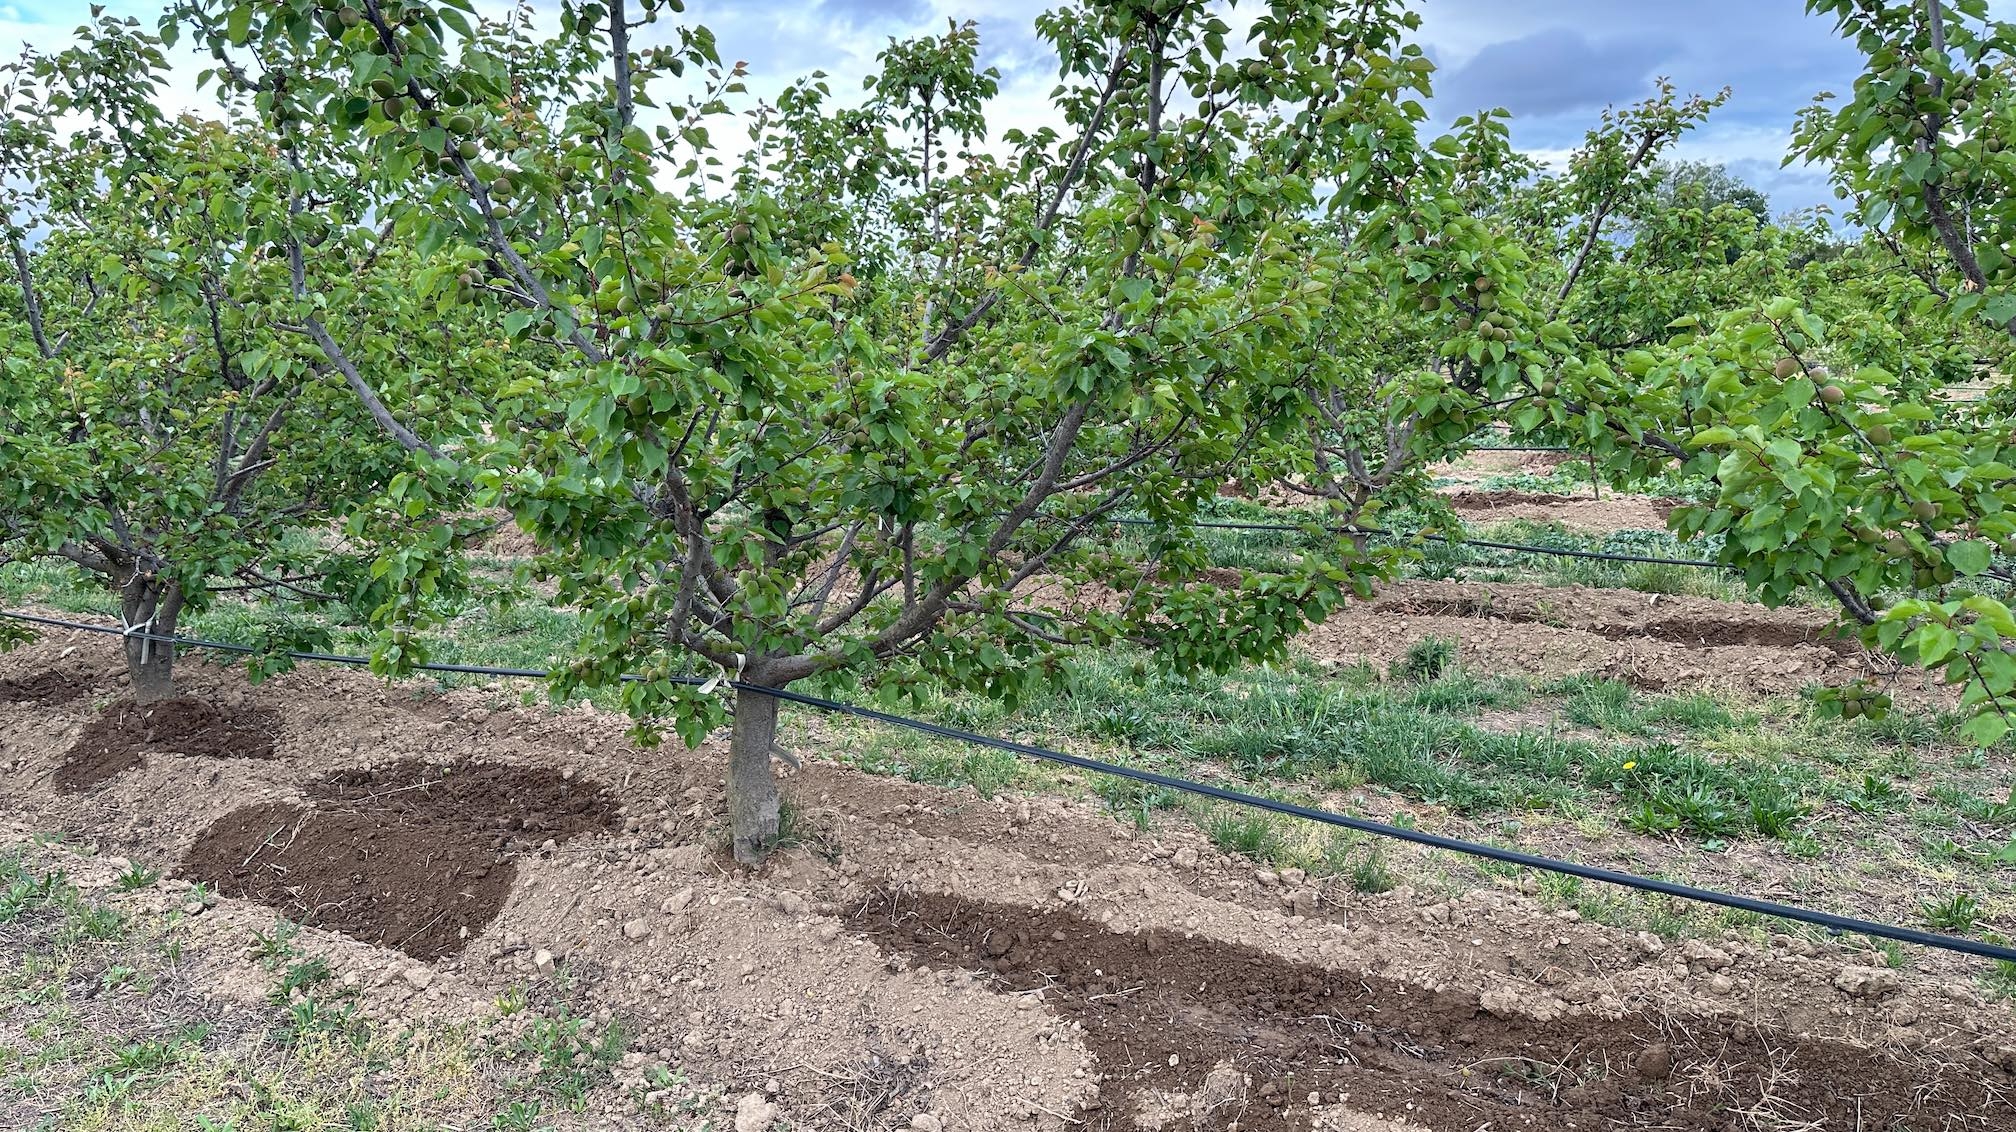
{"points": [[1695, 631], [1193, 1033]]}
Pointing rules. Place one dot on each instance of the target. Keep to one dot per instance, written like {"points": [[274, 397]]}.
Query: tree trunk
{"points": [[752, 790], [149, 606]]}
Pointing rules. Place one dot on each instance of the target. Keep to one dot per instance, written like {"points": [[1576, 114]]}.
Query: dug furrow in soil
{"points": [[1195, 1033], [1702, 623], [45, 689], [115, 741], [414, 856]]}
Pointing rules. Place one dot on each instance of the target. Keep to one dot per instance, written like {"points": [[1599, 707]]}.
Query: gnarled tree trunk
{"points": [[149, 605], [753, 803]]}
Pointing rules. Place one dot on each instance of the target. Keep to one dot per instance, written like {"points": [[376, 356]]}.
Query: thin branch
{"points": [[29, 300]]}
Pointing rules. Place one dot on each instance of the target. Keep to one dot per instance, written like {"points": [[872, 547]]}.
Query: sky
{"points": [[1554, 63]]}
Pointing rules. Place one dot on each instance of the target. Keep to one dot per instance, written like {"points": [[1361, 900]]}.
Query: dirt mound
{"points": [[412, 856], [1702, 624], [1192, 1033], [1659, 642], [1610, 513], [46, 689], [116, 740]]}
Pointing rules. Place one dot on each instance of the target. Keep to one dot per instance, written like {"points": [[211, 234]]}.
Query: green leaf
{"points": [[1986, 729], [1970, 557], [238, 25]]}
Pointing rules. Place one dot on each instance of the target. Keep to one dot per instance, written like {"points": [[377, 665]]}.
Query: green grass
{"points": [[1685, 765], [1611, 706], [2001, 979], [1957, 912]]}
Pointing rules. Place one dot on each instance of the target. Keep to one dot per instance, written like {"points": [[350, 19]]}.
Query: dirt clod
{"points": [[406, 856], [1655, 1062], [117, 740], [754, 1114], [1866, 982]]}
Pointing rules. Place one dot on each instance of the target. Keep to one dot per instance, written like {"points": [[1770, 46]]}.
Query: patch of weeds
{"points": [[986, 770], [1612, 706], [116, 976], [1370, 874], [95, 922], [147, 1056], [136, 878], [513, 1001], [310, 1018], [1652, 819], [790, 826], [1136, 800], [1776, 812], [570, 1056], [796, 829], [2001, 978], [1900, 729], [274, 947], [1426, 659], [1458, 691], [26, 894], [1902, 763], [1892, 951], [518, 1116], [303, 977], [1670, 805], [1956, 913], [1874, 795], [1240, 831]]}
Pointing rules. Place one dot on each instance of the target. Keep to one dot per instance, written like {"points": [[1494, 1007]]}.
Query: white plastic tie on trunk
{"points": [[714, 681], [145, 630]]}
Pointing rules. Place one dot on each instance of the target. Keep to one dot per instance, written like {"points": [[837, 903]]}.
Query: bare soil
{"points": [[850, 985], [507, 539], [1225, 1036], [117, 740], [1613, 512], [411, 856], [1653, 641]]}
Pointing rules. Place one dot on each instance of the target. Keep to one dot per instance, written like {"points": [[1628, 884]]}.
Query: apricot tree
{"points": [[165, 424], [874, 439]]}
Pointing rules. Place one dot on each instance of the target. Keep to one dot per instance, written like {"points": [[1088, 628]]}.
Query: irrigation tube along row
{"points": [[1828, 920]]}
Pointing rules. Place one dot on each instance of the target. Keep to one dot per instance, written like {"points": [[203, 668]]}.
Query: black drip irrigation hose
{"points": [[1832, 922], [1380, 532]]}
